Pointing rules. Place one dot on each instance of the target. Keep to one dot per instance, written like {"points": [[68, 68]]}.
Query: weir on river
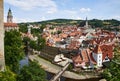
{"points": [[57, 76]]}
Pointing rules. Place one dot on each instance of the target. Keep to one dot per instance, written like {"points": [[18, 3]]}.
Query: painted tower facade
{"points": [[10, 25], [97, 55], [9, 16]]}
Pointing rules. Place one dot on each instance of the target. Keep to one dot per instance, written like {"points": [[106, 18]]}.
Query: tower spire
{"points": [[86, 23], [9, 16]]}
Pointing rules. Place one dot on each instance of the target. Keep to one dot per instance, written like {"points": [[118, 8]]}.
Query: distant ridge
{"points": [[93, 22]]}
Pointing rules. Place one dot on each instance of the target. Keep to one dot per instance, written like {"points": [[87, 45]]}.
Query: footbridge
{"points": [[58, 75]]}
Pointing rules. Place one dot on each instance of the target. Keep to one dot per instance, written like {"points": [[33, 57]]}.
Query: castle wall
{"points": [[2, 60]]}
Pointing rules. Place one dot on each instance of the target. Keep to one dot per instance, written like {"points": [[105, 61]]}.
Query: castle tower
{"points": [[10, 25], [2, 60], [9, 16]]}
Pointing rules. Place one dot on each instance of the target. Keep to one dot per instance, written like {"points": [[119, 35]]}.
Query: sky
{"points": [[41, 10]]}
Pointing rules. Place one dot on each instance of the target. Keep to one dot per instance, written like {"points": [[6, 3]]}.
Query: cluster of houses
{"points": [[95, 46]]}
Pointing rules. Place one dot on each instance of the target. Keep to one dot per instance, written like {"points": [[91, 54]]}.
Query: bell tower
{"points": [[86, 23], [9, 16]]}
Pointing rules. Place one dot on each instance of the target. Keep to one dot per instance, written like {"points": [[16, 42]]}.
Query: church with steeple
{"points": [[86, 23], [10, 25]]}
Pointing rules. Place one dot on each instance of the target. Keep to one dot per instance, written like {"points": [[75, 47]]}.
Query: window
{"points": [[99, 60], [99, 56], [106, 58], [99, 63]]}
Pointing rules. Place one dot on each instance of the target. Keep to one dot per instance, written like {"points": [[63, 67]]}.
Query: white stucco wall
{"points": [[98, 59]]}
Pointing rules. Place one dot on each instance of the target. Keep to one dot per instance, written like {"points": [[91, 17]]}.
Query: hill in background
{"points": [[106, 24]]}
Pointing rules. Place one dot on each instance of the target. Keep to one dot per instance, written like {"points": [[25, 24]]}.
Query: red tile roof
{"points": [[97, 49], [10, 25], [77, 59], [90, 56], [107, 50], [84, 55]]}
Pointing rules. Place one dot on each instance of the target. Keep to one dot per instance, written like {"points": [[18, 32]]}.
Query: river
{"points": [[49, 75], [25, 61]]}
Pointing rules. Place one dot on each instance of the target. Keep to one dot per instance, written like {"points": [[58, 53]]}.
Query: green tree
{"points": [[23, 27], [33, 72], [7, 75], [112, 73], [117, 52], [96, 23], [38, 44], [35, 32], [42, 27], [33, 44], [26, 39], [113, 22], [58, 32], [14, 49], [41, 43]]}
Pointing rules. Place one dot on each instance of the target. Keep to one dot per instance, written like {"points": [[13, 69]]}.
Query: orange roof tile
{"points": [[10, 25], [107, 50], [97, 49], [92, 59], [84, 55], [77, 59]]}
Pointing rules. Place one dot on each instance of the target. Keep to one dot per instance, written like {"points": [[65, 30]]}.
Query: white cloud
{"points": [[43, 18], [70, 11], [79, 18], [117, 17], [32, 4], [52, 10], [83, 10], [18, 20]]}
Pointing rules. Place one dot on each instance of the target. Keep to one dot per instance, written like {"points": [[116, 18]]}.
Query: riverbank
{"points": [[52, 68]]}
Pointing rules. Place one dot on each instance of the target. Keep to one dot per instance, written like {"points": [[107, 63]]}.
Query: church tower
{"points": [[9, 16], [29, 29], [86, 23]]}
